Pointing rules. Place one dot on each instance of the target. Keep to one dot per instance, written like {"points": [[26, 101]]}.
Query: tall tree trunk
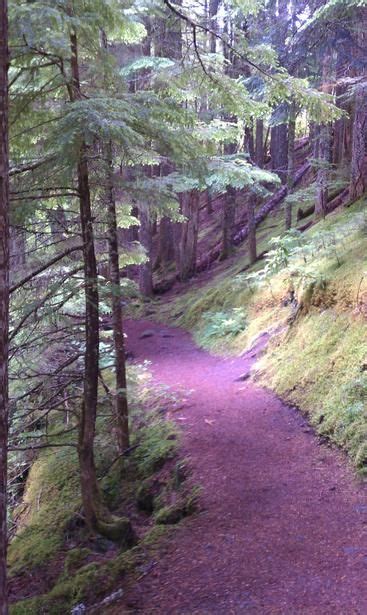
{"points": [[252, 249], [279, 150], [121, 404], [290, 173], [145, 238], [4, 297], [259, 150], [97, 517], [322, 172], [358, 179], [229, 213], [213, 25], [166, 251], [249, 142], [189, 235]]}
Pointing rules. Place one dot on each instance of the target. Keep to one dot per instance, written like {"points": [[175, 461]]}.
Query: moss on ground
{"points": [[51, 530], [317, 358]]}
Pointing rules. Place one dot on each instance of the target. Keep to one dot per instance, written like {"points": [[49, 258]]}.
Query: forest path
{"points": [[283, 526]]}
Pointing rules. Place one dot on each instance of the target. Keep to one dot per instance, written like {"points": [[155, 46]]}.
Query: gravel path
{"points": [[283, 527]]}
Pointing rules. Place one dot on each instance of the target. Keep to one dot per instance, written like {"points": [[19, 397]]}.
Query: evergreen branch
{"points": [[43, 268]]}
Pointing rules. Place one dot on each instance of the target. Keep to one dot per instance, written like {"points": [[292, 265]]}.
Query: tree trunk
{"points": [[121, 404], [97, 517], [166, 251], [259, 151], [4, 297], [249, 142], [189, 235], [322, 173], [252, 251], [213, 25], [357, 184], [229, 213], [278, 151], [145, 238], [290, 173]]}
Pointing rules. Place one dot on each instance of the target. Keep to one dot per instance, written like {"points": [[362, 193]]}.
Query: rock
{"points": [[146, 333], [243, 377]]}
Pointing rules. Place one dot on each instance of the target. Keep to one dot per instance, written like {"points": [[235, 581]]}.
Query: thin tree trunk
{"points": [[121, 404], [252, 250], [357, 184], [145, 238], [249, 142], [4, 297], [88, 479], [290, 174], [229, 213], [259, 148]]}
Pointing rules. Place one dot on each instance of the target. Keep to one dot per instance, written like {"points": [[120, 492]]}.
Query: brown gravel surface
{"points": [[283, 521]]}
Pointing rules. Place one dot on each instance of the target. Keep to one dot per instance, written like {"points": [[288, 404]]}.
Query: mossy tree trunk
{"points": [[4, 298]]}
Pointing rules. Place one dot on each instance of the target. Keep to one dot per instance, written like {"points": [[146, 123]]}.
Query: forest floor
{"points": [[282, 526]]}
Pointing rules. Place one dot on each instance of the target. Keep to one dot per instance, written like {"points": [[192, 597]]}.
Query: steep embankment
{"points": [[281, 528], [310, 294]]}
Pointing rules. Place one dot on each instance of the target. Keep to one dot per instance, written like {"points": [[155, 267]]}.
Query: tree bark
{"points": [[166, 250], [121, 403], [229, 213], [322, 173], [251, 221], [145, 238], [88, 478], [259, 150], [358, 180], [291, 161], [189, 235], [4, 298], [279, 150]]}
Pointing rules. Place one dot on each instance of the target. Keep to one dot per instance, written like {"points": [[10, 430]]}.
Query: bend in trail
{"points": [[283, 525]]}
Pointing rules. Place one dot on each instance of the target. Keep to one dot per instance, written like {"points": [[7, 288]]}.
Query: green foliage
{"points": [[223, 325]]}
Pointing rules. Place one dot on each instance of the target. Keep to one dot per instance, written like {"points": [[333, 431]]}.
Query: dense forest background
{"points": [[148, 142]]}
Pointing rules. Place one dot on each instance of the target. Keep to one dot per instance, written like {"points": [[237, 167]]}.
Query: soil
{"points": [[283, 520]]}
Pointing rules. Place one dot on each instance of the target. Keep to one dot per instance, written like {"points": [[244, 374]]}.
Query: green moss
{"points": [[157, 443], [50, 504], [319, 366], [92, 581]]}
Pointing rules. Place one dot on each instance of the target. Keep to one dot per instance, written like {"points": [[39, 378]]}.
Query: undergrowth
{"points": [[52, 539]]}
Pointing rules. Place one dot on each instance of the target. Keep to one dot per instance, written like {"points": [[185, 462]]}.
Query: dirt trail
{"points": [[284, 522]]}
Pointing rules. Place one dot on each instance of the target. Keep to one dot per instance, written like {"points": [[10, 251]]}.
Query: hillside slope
{"points": [[310, 294]]}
